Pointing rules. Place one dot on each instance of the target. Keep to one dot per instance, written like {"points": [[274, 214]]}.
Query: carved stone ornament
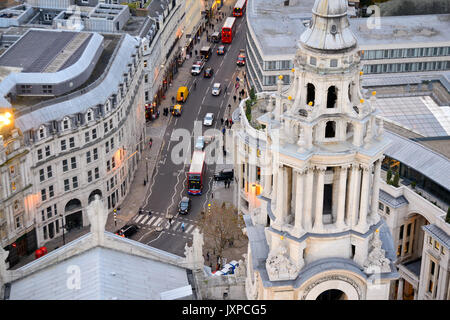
{"points": [[339, 277], [97, 214], [241, 269], [279, 266], [376, 261], [251, 287]]}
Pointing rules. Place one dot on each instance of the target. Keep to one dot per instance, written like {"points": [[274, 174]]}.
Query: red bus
{"points": [[196, 173], [239, 8], [228, 30]]}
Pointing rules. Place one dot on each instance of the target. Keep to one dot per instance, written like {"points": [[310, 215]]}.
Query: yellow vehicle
{"points": [[177, 109], [182, 94]]}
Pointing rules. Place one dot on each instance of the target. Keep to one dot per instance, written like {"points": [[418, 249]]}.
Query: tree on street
{"points": [[221, 226]]}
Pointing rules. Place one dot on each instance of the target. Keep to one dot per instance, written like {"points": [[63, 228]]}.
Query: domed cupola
{"points": [[329, 28]]}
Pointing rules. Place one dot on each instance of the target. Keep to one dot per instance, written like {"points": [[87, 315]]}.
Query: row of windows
{"points": [[407, 67], [272, 80], [436, 244], [48, 193], [406, 53], [278, 65], [49, 212]]}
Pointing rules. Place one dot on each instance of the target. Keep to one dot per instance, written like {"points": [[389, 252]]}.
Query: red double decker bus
{"points": [[239, 8], [196, 173], [228, 30]]}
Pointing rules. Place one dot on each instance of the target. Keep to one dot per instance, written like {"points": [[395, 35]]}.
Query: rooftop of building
{"points": [[418, 113], [394, 30], [38, 50], [103, 82]]}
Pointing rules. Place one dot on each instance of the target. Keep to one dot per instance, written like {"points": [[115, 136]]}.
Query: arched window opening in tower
{"points": [[331, 97], [311, 94], [332, 294], [330, 129]]}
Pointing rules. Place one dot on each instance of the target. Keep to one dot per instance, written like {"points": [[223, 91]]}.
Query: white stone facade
{"points": [[156, 48], [96, 152], [309, 179]]}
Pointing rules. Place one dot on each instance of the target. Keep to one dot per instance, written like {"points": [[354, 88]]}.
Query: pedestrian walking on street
{"points": [[182, 226], [221, 120], [212, 195], [223, 130], [149, 213], [170, 221], [173, 99], [226, 123], [225, 91], [240, 99], [207, 255], [234, 98], [224, 151], [150, 142], [196, 52]]}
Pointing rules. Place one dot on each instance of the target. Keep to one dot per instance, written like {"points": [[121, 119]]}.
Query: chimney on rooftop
{"points": [[286, 2]]}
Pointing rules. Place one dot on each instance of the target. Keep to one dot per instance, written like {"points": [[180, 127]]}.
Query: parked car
{"points": [[224, 174], [184, 206], [200, 143], [208, 120], [221, 50], [208, 72], [216, 88], [127, 230]]}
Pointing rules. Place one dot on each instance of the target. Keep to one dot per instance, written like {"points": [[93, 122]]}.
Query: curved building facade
{"points": [[75, 146]]}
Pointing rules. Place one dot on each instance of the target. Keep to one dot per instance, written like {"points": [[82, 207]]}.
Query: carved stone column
{"points": [[374, 216], [342, 195], [400, 289], [364, 197], [267, 181], [352, 199], [281, 204], [307, 200], [300, 175], [318, 224]]}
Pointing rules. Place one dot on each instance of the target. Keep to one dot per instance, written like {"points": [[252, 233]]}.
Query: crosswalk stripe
{"points": [[138, 218], [150, 221], [175, 226], [157, 221], [145, 219], [189, 228]]}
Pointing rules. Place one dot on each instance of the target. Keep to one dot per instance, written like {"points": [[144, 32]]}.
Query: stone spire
{"points": [[329, 28]]}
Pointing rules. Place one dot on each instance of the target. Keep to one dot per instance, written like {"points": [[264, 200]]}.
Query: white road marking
{"points": [[175, 226], [139, 218], [145, 219], [157, 221], [151, 220], [189, 228]]}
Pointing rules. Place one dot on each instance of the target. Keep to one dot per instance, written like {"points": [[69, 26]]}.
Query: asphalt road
{"points": [[169, 181]]}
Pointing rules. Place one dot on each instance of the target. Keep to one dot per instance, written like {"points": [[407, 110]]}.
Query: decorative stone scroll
{"points": [[376, 261], [279, 266]]}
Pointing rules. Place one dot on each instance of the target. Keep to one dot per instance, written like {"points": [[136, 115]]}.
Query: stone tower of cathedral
{"points": [[313, 226]]}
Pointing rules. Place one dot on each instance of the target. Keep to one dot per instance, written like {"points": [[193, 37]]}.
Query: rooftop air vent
{"points": [[286, 2]]}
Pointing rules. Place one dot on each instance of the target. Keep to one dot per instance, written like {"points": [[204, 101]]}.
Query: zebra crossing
{"points": [[157, 219]]}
